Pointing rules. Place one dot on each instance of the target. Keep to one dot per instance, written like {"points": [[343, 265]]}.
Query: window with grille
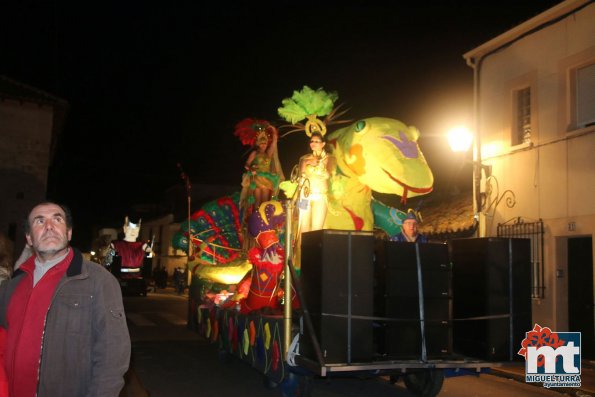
{"points": [[519, 228], [522, 115]]}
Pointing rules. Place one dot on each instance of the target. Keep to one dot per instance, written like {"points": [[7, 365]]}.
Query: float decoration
{"points": [[387, 218], [310, 105], [215, 232], [267, 258], [373, 154]]}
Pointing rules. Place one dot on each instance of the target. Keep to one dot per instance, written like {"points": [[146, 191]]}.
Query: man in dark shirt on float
{"points": [[409, 230]]}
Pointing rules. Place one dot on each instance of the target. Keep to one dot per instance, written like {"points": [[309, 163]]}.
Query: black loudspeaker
{"points": [[401, 303], [491, 296], [337, 281], [404, 341]]}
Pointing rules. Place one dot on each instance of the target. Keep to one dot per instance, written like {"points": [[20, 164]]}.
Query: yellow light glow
{"points": [[492, 149], [231, 273], [460, 139]]}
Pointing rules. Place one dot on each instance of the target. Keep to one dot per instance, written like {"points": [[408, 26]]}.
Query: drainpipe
{"points": [[475, 64]]}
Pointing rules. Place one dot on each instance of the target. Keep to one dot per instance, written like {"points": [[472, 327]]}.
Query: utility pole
{"points": [[186, 180]]}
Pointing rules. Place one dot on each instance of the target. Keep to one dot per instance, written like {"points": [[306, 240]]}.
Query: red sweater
{"points": [[26, 315], [3, 378]]}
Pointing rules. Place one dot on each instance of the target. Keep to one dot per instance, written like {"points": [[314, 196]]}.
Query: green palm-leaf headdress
{"points": [[309, 104]]}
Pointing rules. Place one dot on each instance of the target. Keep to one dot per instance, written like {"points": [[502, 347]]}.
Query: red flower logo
{"points": [[539, 337]]}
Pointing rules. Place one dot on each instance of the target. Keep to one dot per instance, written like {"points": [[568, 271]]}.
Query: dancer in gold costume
{"points": [[317, 167], [260, 182]]}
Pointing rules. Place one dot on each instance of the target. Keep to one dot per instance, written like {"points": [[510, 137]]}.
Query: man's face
{"points": [[48, 234], [131, 232], [410, 228]]}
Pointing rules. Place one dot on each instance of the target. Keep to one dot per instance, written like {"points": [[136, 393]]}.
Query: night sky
{"points": [[151, 85]]}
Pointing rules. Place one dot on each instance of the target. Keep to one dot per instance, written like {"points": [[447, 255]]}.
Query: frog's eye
{"points": [[360, 126]]}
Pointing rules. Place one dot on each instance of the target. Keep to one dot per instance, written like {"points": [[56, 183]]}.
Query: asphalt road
{"points": [[170, 360]]}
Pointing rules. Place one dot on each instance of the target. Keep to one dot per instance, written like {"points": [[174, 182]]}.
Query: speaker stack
{"points": [[337, 279], [491, 296], [415, 299]]}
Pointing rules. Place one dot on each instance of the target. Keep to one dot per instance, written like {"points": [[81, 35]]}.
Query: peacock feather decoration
{"points": [[215, 231]]}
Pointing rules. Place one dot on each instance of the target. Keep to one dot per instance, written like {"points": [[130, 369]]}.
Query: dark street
{"points": [[170, 360]]}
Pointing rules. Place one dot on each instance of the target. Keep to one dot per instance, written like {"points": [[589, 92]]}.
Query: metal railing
{"points": [[534, 231]]}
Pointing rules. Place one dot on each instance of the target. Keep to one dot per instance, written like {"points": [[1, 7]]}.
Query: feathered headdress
{"points": [[252, 131], [309, 104]]}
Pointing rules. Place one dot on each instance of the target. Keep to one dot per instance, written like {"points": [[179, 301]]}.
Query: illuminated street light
{"points": [[460, 139]]}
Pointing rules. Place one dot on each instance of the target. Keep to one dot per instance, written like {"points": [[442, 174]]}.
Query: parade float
{"points": [[126, 259], [296, 295]]}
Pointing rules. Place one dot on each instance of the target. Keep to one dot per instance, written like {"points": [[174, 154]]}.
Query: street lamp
{"points": [[486, 202], [186, 180], [460, 139]]}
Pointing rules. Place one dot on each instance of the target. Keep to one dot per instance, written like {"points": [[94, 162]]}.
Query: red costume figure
{"points": [[129, 256], [267, 257], [131, 252]]}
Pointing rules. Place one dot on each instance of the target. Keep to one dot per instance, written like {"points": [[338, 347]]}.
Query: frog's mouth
{"points": [[407, 188]]}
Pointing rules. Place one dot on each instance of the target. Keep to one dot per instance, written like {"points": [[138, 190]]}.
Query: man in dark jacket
{"points": [[64, 317]]}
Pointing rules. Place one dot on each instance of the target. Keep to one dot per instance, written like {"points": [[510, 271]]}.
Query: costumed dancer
{"points": [[318, 167], [263, 174]]}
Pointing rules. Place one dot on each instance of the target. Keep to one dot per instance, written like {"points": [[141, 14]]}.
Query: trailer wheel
{"points": [[297, 385], [269, 383], [424, 383]]}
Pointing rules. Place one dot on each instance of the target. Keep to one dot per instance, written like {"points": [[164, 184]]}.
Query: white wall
{"points": [[553, 178]]}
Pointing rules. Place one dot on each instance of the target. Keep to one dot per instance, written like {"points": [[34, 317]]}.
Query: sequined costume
{"points": [[263, 178], [317, 174], [268, 175]]}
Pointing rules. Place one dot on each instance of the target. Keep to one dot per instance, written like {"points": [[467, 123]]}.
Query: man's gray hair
{"points": [[67, 214]]}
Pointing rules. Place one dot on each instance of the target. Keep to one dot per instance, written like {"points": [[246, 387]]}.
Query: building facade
{"points": [[30, 123], [535, 154]]}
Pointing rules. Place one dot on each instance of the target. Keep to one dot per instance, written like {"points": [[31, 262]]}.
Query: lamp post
{"points": [[186, 180], [485, 203], [460, 139]]}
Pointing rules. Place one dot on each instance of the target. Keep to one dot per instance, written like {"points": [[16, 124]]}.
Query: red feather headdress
{"points": [[249, 131]]}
